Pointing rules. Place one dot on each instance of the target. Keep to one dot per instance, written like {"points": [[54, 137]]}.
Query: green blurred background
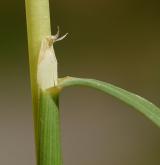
{"points": [[111, 40]]}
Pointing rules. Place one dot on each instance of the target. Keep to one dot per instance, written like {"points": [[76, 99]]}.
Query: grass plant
{"points": [[45, 100]]}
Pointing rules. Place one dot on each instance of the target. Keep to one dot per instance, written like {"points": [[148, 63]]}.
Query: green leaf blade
{"points": [[142, 105]]}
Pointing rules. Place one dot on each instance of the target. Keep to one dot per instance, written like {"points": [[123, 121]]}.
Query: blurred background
{"points": [[110, 40]]}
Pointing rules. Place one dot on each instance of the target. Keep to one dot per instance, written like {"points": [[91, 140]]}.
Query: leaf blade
{"points": [[141, 104]]}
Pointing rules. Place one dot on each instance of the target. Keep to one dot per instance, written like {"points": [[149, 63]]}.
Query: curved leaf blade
{"points": [[141, 104]]}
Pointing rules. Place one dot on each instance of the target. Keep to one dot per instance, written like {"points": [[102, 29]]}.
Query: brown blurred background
{"points": [[111, 40]]}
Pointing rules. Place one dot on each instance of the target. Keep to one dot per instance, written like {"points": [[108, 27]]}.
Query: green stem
{"points": [[38, 27], [46, 110]]}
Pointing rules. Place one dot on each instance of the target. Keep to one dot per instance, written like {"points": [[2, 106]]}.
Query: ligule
{"points": [[47, 65]]}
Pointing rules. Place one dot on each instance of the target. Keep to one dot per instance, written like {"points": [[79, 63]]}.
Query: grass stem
{"points": [[45, 108]]}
